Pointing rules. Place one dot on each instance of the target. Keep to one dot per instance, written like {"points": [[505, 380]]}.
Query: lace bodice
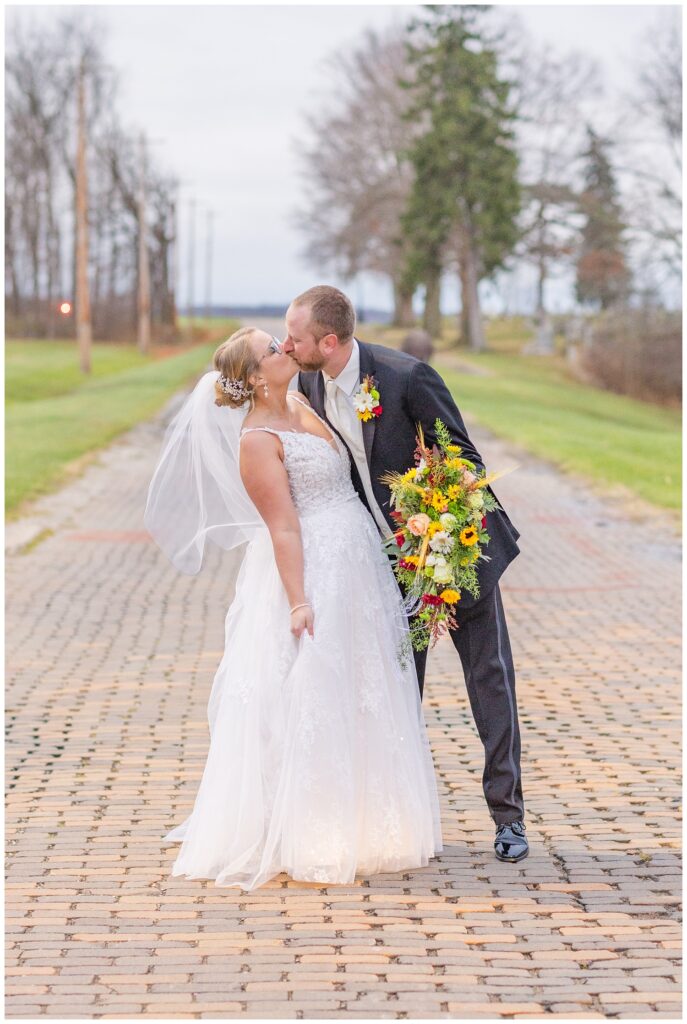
{"points": [[319, 475]]}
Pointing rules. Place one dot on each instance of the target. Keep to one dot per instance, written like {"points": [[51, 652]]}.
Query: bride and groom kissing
{"points": [[319, 764]]}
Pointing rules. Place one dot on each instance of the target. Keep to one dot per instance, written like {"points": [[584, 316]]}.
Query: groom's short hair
{"points": [[331, 312]]}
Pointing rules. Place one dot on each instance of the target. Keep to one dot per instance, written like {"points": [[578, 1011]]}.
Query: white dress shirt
{"points": [[338, 405]]}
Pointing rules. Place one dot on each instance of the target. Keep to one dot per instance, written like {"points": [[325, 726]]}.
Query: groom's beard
{"points": [[315, 363]]}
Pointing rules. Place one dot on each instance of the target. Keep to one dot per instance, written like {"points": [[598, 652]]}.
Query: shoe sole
{"points": [[511, 860]]}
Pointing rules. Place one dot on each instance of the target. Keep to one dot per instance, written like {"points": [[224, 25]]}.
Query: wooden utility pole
{"points": [[84, 335], [208, 266], [143, 257], [191, 261]]}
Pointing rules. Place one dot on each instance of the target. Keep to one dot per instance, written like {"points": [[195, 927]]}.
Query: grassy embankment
{"points": [[614, 441], [56, 418]]}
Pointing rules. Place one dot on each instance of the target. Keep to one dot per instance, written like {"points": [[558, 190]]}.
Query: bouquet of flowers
{"points": [[439, 507]]}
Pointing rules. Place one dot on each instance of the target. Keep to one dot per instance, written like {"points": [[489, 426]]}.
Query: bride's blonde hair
{"points": [[236, 361]]}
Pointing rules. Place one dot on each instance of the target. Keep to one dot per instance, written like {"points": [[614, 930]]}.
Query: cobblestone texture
{"points": [[111, 656]]}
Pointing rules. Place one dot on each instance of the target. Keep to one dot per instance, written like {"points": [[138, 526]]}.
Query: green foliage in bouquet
{"points": [[440, 508]]}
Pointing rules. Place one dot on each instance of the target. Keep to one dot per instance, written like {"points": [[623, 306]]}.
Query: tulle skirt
{"points": [[319, 763]]}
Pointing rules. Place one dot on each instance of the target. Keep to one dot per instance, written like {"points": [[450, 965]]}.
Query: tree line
{"points": [[44, 69], [453, 147]]}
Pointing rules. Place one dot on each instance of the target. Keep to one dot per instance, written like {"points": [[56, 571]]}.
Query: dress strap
{"points": [[268, 430], [299, 399]]}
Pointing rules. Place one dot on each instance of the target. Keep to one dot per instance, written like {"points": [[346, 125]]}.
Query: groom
{"points": [[320, 338]]}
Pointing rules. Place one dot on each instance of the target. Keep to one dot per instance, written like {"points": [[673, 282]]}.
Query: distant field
{"points": [[54, 416], [535, 402]]}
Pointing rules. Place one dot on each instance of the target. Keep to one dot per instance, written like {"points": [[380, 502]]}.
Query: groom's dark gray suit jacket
{"points": [[413, 393]]}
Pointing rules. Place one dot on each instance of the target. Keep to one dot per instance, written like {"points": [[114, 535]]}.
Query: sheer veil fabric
{"points": [[319, 763], [196, 493]]}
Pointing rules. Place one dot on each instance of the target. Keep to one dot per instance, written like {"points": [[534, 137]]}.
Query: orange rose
{"points": [[418, 524]]}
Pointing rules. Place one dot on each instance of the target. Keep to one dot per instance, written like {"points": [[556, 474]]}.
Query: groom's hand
{"points": [[302, 619]]}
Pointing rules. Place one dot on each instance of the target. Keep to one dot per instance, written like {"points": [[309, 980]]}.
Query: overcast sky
{"points": [[222, 91]]}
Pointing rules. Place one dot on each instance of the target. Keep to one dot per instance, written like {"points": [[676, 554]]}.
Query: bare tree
{"points": [[162, 207], [34, 119], [143, 255], [83, 304], [555, 92], [42, 73], [356, 180], [650, 148]]}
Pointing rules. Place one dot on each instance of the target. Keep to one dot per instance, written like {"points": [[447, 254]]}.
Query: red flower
{"points": [[484, 521], [400, 539], [377, 411], [431, 599], [396, 516]]}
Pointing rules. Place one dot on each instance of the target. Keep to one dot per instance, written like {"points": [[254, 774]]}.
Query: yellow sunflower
{"points": [[439, 501], [449, 596], [453, 492], [410, 475], [434, 528], [411, 559], [469, 536]]}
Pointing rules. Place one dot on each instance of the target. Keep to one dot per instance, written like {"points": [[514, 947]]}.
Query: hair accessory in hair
{"points": [[236, 389]]}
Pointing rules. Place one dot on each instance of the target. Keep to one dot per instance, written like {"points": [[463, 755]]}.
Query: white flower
{"points": [[475, 500], [441, 542], [363, 401], [448, 521], [422, 465], [442, 572]]}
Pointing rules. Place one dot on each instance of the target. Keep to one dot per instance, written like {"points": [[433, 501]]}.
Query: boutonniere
{"points": [[366, 401]]}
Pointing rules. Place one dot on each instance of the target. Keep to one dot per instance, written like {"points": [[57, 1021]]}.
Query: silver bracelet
{"points": [[305, 604]]}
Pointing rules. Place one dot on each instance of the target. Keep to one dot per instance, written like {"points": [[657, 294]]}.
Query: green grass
{"points": [[609, 438], [535, 402], [30, 365], [55, 416]]}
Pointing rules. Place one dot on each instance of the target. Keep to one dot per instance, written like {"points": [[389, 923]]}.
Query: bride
{"points": [[319, 763]]}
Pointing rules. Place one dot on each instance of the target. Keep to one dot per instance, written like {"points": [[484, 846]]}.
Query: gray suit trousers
{"points": [[482, 642]]}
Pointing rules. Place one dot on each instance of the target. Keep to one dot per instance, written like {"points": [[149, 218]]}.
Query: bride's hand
{"points": [[302, 618]]}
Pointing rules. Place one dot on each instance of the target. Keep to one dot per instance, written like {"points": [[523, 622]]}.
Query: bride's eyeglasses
{"points": [[274, 347]]}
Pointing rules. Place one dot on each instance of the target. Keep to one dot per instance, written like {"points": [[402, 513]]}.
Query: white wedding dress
{"points": [[319, 762]]}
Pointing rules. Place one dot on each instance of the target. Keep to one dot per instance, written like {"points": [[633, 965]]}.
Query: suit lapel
{"points": [[367, 368]]}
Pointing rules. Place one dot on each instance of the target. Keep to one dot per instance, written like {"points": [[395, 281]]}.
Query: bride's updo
{"points": [[236, 361]]}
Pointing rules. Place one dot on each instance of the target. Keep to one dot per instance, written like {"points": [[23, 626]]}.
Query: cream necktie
{"points": [[335, 403], [342, 415]]}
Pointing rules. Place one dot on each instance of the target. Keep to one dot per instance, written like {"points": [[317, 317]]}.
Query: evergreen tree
{"points": [[466, 196], [603, 278]]}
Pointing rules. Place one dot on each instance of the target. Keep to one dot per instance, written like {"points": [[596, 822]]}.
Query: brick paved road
{"points": [[111, 656]]}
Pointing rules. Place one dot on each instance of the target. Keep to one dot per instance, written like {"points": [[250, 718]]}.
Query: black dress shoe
{"points": [[511, 842]]}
